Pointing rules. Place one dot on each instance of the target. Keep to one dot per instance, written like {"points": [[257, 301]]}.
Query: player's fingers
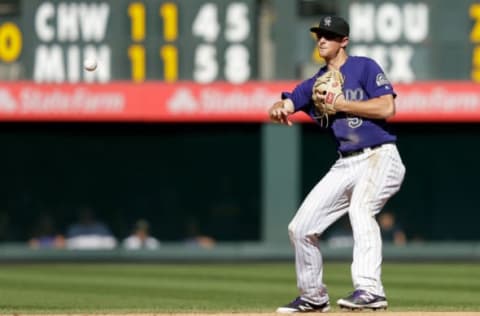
{"points": [[285, 119], [280, 116], [279, 113], [276, 116]]}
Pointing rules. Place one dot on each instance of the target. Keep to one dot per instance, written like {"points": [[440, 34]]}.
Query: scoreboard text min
{"points": [[203, 41]]}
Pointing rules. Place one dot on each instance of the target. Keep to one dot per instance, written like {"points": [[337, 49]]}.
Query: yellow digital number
{"points": [[10, 42], [137, 60], [169, 55], [475, 14], [475, 38], [169, 13], [316, 58], [136, 11], [476, 64]]}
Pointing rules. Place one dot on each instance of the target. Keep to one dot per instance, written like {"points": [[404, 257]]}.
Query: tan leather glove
{"points": [[330, 85]]}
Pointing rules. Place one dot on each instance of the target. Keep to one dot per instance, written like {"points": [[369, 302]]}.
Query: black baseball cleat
{"points": [[361, 299], [301, 306]]}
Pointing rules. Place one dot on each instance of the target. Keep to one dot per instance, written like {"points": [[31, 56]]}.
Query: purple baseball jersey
{"points": [[364, 79]]}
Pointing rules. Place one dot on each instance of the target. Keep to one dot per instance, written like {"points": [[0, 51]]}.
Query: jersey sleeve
{"points": [[376, 82], [301, 96]]}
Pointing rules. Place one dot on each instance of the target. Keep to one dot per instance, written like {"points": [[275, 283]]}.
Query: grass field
{"points": [[208, 288]]}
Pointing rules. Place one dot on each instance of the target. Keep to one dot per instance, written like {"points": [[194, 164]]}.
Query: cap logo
{"points": [[327, 21]]}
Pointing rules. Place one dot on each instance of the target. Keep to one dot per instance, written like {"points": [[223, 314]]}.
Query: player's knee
{"points": [[300, 235], [293, 232]]}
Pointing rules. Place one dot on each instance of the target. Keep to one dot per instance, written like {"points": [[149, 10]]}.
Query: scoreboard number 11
{"points": [[168, 53]]}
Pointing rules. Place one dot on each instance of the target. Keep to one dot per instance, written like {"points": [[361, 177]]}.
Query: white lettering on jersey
{"points": [[354, 95], [354, 121]]}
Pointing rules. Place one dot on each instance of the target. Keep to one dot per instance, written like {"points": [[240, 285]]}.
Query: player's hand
{"points": [[337, 104], [279, 114]]}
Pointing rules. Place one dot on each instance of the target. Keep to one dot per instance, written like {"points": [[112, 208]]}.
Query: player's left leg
{"points": [[382, 177]]}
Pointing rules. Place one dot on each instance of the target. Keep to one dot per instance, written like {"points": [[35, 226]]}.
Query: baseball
{"points": [[90, 63]]}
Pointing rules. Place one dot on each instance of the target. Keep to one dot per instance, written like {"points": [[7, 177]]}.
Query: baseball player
{"points": [[353, 102]]}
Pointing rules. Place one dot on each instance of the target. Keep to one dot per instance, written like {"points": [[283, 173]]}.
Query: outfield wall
{"points": [[237, 252]]}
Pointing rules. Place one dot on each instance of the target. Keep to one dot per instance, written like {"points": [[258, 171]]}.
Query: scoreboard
{"points": [[201, 41], [201, 60]]}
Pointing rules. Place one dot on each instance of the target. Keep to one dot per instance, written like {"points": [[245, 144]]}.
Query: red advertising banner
{"points": [[442, 101], [438, 101]]}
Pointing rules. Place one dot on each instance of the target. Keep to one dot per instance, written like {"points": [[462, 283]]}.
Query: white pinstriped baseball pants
{"points": [[359, 185]]}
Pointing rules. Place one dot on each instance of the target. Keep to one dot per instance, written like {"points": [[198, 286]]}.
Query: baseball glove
{"points": [[330, 85]]}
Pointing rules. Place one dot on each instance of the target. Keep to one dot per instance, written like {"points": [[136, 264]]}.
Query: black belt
{"points": [[359, 151]]}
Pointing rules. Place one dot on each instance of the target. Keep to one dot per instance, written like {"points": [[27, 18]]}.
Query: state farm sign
{"points": [[219, 102], [152, 101]]}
